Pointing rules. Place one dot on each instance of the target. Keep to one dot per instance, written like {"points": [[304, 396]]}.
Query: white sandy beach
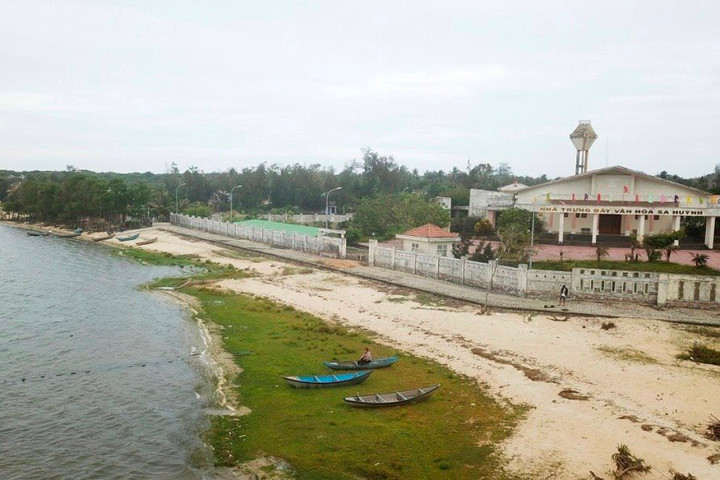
{"points": [[637, 392]]}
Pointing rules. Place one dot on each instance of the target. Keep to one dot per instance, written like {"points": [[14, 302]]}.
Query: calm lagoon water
{"points": [[97, 379]]}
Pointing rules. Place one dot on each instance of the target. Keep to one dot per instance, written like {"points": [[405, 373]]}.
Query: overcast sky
{"points": [[136, 85]]}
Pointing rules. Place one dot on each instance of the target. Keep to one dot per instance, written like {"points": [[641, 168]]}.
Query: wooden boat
{"points": [[147, 242], [322, 381], [68, 235], [38, 234], [351, 365], [391, 399], [78, 230], [106, 237], [128, 238]]}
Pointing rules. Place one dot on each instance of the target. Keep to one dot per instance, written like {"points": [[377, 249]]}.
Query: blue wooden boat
{"points": [[352, 365], [78, 230], [128, 238], [322, 381], [391, 399]]}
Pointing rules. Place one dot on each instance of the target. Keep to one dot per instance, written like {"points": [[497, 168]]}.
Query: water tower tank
{"points": [[582, 137]]}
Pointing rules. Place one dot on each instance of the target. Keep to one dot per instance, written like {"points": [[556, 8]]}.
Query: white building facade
{"points": [[609, 201]]}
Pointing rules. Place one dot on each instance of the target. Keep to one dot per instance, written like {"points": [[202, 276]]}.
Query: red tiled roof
{"points": [[430, 231]]}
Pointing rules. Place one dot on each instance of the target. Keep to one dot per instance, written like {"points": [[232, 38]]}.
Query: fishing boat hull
{"points": [[147, 242], [325, 381], [391, 399], [68, 235], [350, 365], [129, 238]]}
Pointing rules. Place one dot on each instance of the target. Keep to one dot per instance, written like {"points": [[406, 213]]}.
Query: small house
{"points": [[429, 240]]}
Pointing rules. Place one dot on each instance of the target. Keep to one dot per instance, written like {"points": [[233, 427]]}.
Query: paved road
{"points": [[470, 294]]}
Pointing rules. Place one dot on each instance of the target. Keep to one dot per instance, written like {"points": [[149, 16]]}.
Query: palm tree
{"points": [[601, 252], [700, 259], [669, 249]]}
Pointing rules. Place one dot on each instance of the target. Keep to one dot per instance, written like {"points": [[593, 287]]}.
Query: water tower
{"points": [[583, 138]]}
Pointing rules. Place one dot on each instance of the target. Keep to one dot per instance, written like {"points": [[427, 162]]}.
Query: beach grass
{"points": [[701, 354], [452, 435]]}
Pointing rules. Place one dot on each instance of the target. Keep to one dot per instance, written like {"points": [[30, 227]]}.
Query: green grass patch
{"points": [[702, 354], [627, 354], [452, 435], [709, 332], [658, 267], [296, 271]]}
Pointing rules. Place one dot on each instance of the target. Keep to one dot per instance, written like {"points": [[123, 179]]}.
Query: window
{"points": [[442, 250], [415, 247], [656, 217], [583, 215], [566, 215]]}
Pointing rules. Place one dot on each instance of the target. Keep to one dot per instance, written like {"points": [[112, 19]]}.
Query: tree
{"points": [[655, 244], [601, 252], [386, 215], [700, 259], [513, 229]]}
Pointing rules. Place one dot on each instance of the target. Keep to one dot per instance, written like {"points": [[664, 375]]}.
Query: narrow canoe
{"points": [[391, 399], [322, 381], [127, 239], [68, 235], [78, 230], [36, 234], [106, 237], [351, 365], [147, 242]]}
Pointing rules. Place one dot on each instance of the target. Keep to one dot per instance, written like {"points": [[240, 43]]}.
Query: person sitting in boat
{"points": [[366, 358]]}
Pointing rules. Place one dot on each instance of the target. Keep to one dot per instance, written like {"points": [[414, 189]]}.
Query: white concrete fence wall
{"points": [[583, 282], [305, 243], [307, 219]]}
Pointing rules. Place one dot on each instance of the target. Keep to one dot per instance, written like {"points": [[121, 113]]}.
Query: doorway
{"points": [[610, 224]]}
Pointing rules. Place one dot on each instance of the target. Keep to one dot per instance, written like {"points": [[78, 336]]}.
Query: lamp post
{"points": [[532, 236], [176, 197], [327, 205], [231, 210]]}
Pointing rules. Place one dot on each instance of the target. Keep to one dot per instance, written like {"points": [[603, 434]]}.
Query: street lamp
{"points": [[327, 205], [231, 211], [532, 235], [176, 197]]}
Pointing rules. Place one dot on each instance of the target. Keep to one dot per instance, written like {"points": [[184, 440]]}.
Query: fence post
{"points": [[662, 288], [372, 245], [437, 267], [522, 277], [414, 254], [463, 263], [392, 258]]}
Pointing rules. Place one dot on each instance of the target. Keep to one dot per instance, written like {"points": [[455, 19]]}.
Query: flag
{"points": [[610, 198], [677, 199], [547, 197], [715, 199], [573, 197], [701, 200], [688, 200], [650, 198], [599, 198], [637, 197], [662, 198], [625, 189], [586, 196]]}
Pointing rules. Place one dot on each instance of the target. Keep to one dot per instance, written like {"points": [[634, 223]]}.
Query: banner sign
{"points": [[685, 212]]}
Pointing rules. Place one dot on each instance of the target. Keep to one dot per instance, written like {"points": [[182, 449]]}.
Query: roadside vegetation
{"points": [[659, 266]]}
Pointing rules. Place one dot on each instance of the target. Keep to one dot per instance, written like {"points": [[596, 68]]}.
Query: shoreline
{"points": [[637, 392]]}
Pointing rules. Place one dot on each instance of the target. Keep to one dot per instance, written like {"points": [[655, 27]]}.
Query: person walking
{"points": [[563, 294]]}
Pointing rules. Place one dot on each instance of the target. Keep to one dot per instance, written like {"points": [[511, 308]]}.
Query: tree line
{"points": [[375, 183]]}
